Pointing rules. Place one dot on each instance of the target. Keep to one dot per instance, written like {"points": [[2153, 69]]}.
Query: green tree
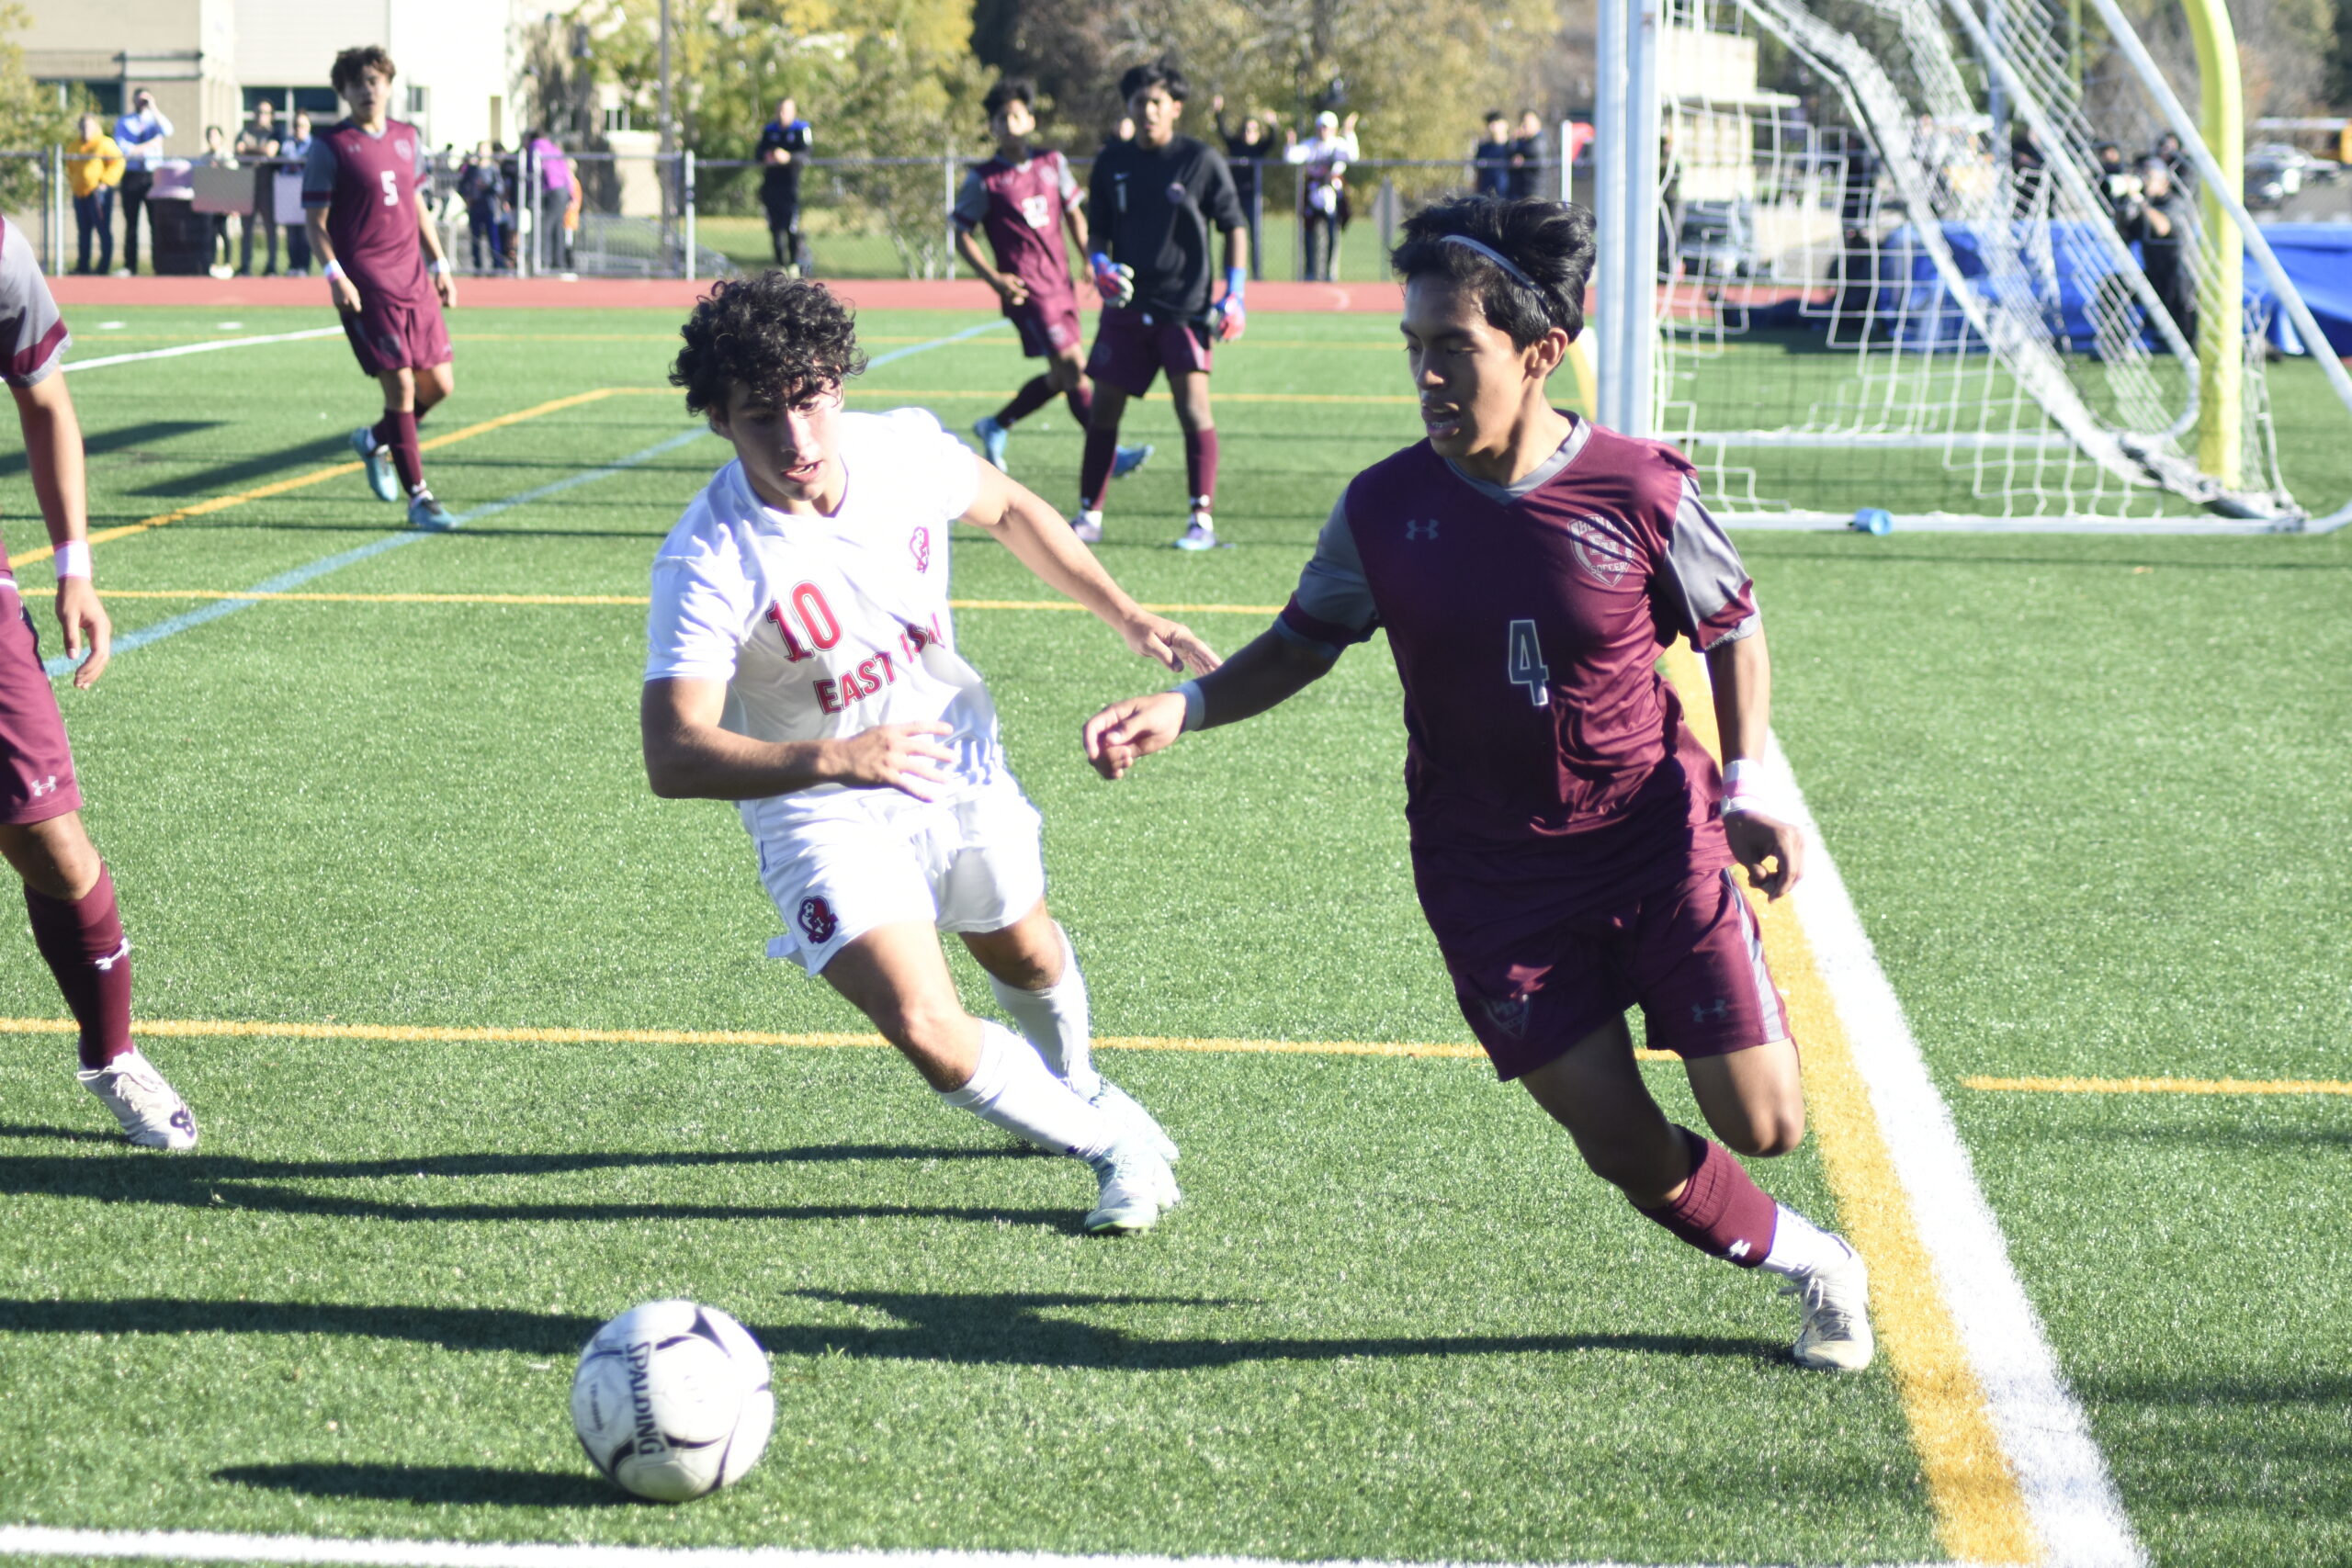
{"points": [[32, 115]]}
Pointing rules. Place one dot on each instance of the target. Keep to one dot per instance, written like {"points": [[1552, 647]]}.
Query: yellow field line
{"points": [[238, 1027], [1979, 1510], [2162, 1085], [319, 476]]}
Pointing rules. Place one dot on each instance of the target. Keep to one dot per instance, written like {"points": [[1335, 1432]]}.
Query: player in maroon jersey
{"points": [[1025, 198], [68, 891], [363, 189], [1572, 841]]}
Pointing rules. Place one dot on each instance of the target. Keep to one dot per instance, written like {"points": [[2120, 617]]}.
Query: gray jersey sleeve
{"points": [[318, 173], [971, 200], [1332, 605], [31, 330], [1709, 589]]}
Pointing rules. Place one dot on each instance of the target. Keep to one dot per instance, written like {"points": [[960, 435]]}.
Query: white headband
{"points": [[1492, 255]]}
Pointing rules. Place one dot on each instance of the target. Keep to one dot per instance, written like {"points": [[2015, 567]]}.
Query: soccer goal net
{"points": [[1915, 286]]}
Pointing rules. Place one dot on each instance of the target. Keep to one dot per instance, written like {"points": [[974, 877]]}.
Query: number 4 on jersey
{"points": [[1526, 667]]}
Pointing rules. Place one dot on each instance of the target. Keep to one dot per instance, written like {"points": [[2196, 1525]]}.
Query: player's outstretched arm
{"points": [[1042, 542], [1271, 671], [1762, 839], [689, 757], [54, 452]]}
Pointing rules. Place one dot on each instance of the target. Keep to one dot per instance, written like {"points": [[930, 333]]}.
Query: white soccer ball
{"points": [[672, 1400]]}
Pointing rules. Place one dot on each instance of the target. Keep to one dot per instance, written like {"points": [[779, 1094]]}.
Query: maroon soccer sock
{"points": [[1035, 394], [1721, 1211], [1095, 468], [397, 430], [1199, 463], [1082, 404], [81, 941]]}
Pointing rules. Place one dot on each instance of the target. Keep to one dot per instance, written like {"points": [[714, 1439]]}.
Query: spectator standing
{"points": [[483, 189], [93, 170], [1527, 157], [1322, 210], [2175, 162], [783, 142], [140, 135], [292, 152], [1247, 151], [2158, 218], [550, 194], [1493, 156], [217, 155], [258, 145]]}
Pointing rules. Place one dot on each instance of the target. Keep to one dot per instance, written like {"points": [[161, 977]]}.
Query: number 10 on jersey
{"points": [[1526, 667]]}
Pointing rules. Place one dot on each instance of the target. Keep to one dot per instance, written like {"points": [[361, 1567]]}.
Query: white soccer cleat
{"points": [[1137, 1188], [1835, 1334], [153, 1116], [1088, 526], [1133, 1121], [1198, 535]]}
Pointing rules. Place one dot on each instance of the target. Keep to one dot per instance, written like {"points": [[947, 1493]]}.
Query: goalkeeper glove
{"points": [[1115, 283], [1227, 314]]}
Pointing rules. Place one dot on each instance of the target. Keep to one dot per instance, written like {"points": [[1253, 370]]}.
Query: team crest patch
{"points": [[919, 542], [404, 148], [1510, 1014], [817, 922], [1600, 552]]}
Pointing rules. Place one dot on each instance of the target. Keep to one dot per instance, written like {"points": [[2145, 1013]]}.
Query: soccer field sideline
{"points": [[2057, 1486]]}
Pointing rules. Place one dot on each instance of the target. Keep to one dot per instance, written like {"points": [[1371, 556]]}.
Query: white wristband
{"points": [[332, 269], [1195, 706], [1747, 789], [437, 265], [74, 558]]}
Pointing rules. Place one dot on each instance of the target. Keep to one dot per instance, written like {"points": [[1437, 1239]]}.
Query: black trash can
{"points": [[183, 237]]}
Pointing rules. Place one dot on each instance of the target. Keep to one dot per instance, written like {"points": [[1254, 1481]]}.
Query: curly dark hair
{"points": [[1012, 89], [786, 339], [1549, 242], [352, 62], [1160, 73]]}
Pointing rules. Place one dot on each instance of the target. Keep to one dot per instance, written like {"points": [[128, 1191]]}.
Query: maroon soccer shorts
{"points": [[36, 768], [1690, 956], [394, 332], [1048, 325], [1131, 348]]}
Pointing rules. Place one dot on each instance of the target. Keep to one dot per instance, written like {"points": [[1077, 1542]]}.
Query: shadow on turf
{"points": [[428, 1484], [225, 1183], [982, 1329], [123, 438]]}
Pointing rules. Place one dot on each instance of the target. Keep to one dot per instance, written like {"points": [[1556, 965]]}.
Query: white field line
{"points": [[198, 1546], [208, 346], [2059, 1468]]}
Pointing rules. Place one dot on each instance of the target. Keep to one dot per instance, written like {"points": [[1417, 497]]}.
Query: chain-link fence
{"points": [[626, 214]]}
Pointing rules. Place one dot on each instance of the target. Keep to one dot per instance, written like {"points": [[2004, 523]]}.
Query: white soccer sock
{"points": [[1800, 1246], [1056, 1021], [1012, 1089]]}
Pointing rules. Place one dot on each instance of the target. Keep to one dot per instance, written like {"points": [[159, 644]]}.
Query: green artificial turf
{"points": [[2091, 814]]}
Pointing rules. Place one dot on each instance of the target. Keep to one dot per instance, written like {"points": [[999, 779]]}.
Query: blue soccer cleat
{"points": [[428, 516], [1128, 460], [378, 458], [992, 438]]}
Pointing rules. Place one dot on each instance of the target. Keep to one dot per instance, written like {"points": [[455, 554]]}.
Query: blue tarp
{"points": [[2317, 258]]}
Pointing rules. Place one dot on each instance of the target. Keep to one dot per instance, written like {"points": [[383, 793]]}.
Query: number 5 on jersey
{"points": [[1526, 667], [391, 188]]}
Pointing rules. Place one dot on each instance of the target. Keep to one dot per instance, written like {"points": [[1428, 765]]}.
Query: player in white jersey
{"points": [[803, 665]]}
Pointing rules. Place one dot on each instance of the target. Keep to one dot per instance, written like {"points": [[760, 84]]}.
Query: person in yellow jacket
{"points": [[93, 168]]}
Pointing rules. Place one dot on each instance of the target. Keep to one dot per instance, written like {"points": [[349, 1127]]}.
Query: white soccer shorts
{"points": [[972, 865]]}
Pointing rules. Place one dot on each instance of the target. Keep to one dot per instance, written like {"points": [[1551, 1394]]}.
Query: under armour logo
{"points": [[1738, 1250], [1716, 1011], [117, 956], [1423, 530], [45, 786], [1510, 1015]]}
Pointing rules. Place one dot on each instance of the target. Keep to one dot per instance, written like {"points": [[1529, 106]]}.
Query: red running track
{"points": [[660, 294]]}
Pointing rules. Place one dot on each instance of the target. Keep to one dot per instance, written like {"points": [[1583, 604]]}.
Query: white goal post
{"points": [[1918, 290]]}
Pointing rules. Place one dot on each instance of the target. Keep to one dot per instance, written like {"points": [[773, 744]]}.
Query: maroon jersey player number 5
{"points": [[1572, 841]]}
